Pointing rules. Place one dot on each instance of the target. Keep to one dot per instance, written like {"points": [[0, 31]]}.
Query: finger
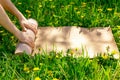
{"points": [[23, 27], [31, 44], [31, 27]]}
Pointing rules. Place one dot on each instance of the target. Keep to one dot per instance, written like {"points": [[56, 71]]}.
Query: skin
{"points": [[8, 25]]}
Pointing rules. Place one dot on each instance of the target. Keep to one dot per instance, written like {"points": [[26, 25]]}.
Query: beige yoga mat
{"points": [[93, 41]]}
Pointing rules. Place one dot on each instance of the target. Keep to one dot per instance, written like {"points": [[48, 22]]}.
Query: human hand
{"points": [[29, 24], [26, 38]]}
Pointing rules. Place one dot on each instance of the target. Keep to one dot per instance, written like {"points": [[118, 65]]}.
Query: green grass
{"points": [[83, 13], [55, 66]]}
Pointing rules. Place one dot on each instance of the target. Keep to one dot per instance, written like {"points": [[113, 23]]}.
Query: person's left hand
{"points": [[26, 25], [25, 38]]}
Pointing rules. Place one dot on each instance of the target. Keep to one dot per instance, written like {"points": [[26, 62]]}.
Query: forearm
{"points": [[7, 24], [8, 5]]}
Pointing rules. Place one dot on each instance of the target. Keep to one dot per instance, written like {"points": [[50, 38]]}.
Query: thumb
{"points": [[23, 27]]}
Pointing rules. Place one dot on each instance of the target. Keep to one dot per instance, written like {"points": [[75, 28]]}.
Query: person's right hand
{"points": [[25, 38], [25, 24]]}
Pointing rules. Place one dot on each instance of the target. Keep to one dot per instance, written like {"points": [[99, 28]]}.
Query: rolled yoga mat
{"points": [[23, 47]]}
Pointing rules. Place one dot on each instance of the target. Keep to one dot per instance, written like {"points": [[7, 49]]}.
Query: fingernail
{"points": [[25, 29]]}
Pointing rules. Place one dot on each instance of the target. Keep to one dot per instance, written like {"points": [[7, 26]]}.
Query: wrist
{"points": [[18, 34], [21, 17]]}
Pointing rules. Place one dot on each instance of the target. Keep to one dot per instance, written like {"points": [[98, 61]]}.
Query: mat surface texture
{"points": [[93, 41]]}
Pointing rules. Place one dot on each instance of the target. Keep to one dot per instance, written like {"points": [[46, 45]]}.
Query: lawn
{"points": [[83, 13]]}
